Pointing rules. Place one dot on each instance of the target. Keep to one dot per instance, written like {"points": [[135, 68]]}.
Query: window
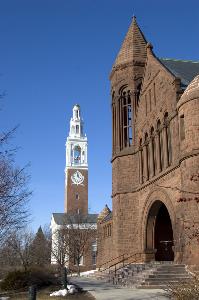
{"points": [[182, 130], [77, 129], [77, 155], [149, 100], [122, 120], [138, 92], [154, 94], [168, 138], [126, 119], [77, 196], [94, 252]]}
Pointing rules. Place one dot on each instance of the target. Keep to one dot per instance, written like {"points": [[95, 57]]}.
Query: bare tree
{"points": [[20, 242], [72, 240], [14, 193], [60, 247]]}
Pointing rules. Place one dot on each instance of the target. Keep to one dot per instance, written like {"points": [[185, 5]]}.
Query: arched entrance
{"points": [[159, 232]]}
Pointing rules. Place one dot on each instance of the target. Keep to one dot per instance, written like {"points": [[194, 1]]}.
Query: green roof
{"points": [[186, 70]]}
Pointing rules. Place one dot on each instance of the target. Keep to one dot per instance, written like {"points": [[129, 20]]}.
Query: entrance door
{"points": [[163, 235], [159, 235]]}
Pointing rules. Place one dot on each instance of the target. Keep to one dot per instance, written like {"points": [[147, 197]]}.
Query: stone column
{"points": [[165, 147], [158, 158], [146, 171], [151, 151], [140, 165]]}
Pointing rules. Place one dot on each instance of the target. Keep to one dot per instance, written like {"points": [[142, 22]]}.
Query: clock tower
{"points": [[76, 171]]}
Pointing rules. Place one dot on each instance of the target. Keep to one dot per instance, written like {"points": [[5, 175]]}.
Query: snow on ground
{"points": [[87, 272], [4, 298], [71, 290]]}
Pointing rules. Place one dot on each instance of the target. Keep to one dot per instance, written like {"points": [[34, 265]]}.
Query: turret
{"points": [[126, 76], [188, 109]]}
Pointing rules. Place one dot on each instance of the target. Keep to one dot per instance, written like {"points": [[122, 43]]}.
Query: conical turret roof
{"points": [[191, 92], [133, 47]]}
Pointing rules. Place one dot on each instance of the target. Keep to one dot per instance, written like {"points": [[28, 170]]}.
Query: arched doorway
{"points": [[159, 232]]}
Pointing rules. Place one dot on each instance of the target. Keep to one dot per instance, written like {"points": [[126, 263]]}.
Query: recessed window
{"points": [[94, 252], [77, 129], [182, 130], [77, 155]]}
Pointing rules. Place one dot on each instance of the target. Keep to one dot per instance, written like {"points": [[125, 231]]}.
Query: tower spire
{"points": [[76, 123], [133, 46]]}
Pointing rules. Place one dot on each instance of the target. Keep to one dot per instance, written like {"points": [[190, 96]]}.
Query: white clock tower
{"points": [[76, 171]]}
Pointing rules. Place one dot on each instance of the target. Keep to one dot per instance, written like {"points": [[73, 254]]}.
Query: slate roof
{"points": [[108, 217], [133, 46], [186, 70], [61, 218]]}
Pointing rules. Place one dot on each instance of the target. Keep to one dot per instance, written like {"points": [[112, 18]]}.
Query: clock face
{"points": [[77, 178]]}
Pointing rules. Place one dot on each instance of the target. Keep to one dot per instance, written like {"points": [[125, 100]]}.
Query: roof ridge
{"points": [[181, 60]]}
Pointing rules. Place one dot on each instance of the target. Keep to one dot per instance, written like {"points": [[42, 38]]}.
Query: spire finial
{"points": [[149, 47]]}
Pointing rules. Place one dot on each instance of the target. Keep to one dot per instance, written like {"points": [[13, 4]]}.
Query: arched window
{"points": [[77, 155], [77, 129], [168, 137], [125, 119]]}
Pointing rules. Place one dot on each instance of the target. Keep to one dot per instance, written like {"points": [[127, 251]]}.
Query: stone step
{"points": [[150, 286], [185, 275], [162, 281], [169, 272]]}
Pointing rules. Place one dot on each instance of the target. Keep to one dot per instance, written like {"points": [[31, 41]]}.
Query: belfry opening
{"points": [[159, 233]]}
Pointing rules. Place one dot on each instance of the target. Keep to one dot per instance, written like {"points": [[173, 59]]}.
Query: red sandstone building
{"points": [[155, 157]]}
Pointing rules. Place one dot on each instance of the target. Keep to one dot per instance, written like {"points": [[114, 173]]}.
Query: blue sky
{"points": [[55, 53]]}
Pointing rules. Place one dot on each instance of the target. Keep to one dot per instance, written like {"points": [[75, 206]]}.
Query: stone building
{"points": [[155, 161], [76, 222]]}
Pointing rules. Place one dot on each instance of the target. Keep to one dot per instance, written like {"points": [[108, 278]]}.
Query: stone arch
{"points": [[159, 197]]}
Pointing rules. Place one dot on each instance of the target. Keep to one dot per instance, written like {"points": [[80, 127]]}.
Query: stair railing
{"points": [[122, 261], [113, 269]]}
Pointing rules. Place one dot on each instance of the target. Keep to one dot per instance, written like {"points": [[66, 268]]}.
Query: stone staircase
{"points": [[146, 275], [164, 275]]}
